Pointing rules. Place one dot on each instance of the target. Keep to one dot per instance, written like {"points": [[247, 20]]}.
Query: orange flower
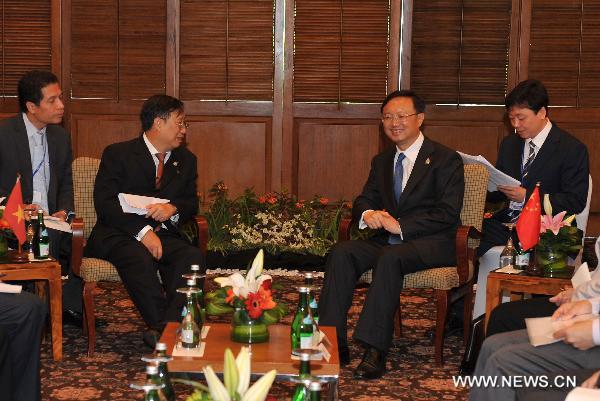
{"points": [[257, 302], [272, 200], [230, 296], [4, 224], [299, 205], [323, 201], [262, 199]]}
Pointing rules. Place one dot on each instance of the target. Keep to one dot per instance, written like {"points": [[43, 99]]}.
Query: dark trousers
{"points": [[494, 233], [347, 261], [22, 317], [60, 249], [511, 316], [551, 392], [157, 303]]}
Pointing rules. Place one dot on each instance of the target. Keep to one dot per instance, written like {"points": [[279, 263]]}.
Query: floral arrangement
{"points": [[557, 233], [253, 293], [236, 381], [276, 221]]}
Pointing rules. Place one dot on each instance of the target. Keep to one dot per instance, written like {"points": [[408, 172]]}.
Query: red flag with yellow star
{"points": [[13, 212], [528, 225]]}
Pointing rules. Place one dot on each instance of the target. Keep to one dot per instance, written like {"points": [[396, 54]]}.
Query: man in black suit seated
{"points": [[155, 164], [413, 198], [538, 151], [33, 144], [22, 317]]}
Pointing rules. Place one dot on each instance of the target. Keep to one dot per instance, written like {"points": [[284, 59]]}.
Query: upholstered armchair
{"points": [[92, 270], [449, 283]]}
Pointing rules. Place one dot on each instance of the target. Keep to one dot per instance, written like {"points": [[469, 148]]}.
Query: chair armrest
{"points": [[202, 225], [77, 243], [344, 229], [465, 256]]}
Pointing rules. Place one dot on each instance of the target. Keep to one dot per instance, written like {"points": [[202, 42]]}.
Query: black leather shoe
{"points": [[73, 318], [372, 365], [150, 338], [476, 337]]}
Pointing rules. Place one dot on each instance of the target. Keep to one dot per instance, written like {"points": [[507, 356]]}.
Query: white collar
{"points": [[540, 138], [30, 128], [412, 151], [153, 151]]}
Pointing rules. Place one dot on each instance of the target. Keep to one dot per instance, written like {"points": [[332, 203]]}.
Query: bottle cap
{"points": [[195, 268], [161, 346], [191, 282], [304, 289], [151, 369], [314, 386]]}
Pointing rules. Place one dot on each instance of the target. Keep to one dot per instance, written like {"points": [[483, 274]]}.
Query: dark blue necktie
{"points": [[394, 239], [398, 176]]}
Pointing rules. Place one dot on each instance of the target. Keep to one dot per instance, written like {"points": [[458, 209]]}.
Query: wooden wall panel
{"points": [[236, 152], [92, 133], [472, 139], [333, 158]]}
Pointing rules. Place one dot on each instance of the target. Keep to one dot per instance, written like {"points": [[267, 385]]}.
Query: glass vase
{"points": [[3, 246], [552, 262], [246, 330]]}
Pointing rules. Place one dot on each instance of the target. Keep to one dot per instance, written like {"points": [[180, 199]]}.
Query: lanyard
{"points": [[43, 159]]}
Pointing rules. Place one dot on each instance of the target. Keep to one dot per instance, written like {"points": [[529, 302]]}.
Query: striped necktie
{"points": [[530, 158]]}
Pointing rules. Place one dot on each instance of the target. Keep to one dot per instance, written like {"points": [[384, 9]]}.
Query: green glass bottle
{"points": [[160, 358], [151, 391], [199, 284], [42, 245], [522, 258], [303, 326], [192, 302], [189, 331], [312, 300], [301, 392], [153, 378], [314, 391]]}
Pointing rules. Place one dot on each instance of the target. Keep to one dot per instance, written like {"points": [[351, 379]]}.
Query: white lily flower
{"points": [[243, 365], [257, 265], [260, 389], [547, 205], [236, 281], [218, 392]]}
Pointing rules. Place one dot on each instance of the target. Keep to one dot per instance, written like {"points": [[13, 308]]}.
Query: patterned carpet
{"points": [[412, 374]]}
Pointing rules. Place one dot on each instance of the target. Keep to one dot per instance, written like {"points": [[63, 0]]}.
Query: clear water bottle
{"points": [[508, 255]]}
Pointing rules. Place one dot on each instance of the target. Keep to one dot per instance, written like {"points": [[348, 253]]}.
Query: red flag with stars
{"points": [[13, 212], [528, 225]]}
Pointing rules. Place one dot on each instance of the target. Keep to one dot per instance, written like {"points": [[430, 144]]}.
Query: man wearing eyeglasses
{"points": [[155, 164], [412, 198]]}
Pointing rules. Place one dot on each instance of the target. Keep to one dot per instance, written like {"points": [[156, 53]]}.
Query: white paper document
{"points": [[582, 275], [496, 178], [509, 270], [56, 223], [10, 288], [541, 329], [137, 203]]}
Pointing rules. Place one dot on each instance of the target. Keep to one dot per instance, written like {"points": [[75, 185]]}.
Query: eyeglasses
{"points": [[388, 118], [183, 124]]}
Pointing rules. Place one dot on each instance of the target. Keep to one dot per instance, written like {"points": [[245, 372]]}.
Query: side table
{"points": [[47, 270], [499, 282]]}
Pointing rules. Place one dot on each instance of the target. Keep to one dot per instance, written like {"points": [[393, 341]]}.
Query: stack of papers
{"points": [[497, 177], [541, 329], [137, 203], [9, 288]]}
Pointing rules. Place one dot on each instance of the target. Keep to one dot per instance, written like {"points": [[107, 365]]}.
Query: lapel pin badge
{"points": [[428, 161], [175, 164]]}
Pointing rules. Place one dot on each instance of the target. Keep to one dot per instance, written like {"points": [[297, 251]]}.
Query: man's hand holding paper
{"points": [[570, 310], [161, 211], [514, 193], [579, 335]]}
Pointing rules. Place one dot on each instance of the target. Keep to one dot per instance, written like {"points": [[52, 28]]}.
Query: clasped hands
{"points": [[160, 212], [377, 219], [579, 334]]}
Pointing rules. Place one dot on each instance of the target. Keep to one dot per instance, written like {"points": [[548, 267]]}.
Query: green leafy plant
{"points": [[276, 221]]}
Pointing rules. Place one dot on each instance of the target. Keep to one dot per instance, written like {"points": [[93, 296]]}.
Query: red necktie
{"points": [[160, 168]]}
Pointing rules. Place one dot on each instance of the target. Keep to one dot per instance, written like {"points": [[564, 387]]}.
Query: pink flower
{"points": [[552, 223]]}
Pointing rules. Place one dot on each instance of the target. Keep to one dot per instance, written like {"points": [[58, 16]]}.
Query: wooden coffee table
{"points": [[274, 354], [498, 282], [48, 270]]}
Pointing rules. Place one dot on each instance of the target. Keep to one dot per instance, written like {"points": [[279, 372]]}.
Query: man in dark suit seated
{"points": [[22, 317], [155, 164], [413, 197], [538, 151], [33, 144]]}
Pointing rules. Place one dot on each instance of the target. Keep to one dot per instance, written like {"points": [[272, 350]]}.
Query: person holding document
{"points": [[537, 151], [155, 164], [511, 355]]}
